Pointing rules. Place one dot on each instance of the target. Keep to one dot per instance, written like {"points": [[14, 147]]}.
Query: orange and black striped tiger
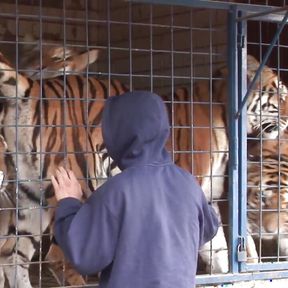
{"points": [[267, 196], [56, 122]]}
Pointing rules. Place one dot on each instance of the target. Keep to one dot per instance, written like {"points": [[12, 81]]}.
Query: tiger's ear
{"points": [[64, 61], [79, 62], [252, 67], [27, 47]]}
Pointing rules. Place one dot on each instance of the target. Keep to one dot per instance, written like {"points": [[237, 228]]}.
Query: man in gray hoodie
{"points": [[144, 226]]}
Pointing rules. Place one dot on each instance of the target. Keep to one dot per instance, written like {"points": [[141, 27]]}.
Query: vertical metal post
{"points": [[233, 139], [242, 131]]}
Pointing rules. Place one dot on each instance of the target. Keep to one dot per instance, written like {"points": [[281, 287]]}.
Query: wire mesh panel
{"points": [[267, 153], [60, 60]]}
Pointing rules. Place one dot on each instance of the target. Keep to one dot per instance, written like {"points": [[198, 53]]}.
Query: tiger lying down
{"points": [[57, 124], [267, 197]]}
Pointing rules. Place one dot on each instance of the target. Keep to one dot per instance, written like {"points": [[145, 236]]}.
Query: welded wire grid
{"points": [[269, 157], [159, 48], [150, 47]]}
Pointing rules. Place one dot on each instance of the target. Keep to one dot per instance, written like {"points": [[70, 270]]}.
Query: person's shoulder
{"points": [[113, 185], [112, 182], [184, 173], [188, 179]]}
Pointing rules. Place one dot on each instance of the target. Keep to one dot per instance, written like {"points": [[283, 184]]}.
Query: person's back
{"points": [[161, 214], [143, 227]]}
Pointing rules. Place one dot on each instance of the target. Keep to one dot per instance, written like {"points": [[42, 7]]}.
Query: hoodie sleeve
{"points": [[209, 222], [87, 233]]}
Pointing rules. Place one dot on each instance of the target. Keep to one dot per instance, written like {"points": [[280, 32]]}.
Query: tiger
{"points": [[58, 60], [6, 200], [57, 125], [267, 195], [265, 103]]}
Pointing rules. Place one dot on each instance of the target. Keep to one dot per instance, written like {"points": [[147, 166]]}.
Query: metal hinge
{"points": [[241, 250], [241, 41]]}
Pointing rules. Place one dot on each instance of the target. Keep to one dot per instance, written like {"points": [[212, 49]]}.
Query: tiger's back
{"points": [[200, 141], [200, 145]]}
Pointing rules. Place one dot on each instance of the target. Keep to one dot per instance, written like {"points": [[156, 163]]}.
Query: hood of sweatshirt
{"points": [[135, 129]]}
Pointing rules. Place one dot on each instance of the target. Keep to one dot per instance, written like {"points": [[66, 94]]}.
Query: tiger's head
{"points": [[267, 203], [267, 192], [56, 60], [266, 103], [53, 59]]}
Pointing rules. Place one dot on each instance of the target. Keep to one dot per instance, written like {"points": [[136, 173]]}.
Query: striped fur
{"points": [[70, 135], [267, 194]]}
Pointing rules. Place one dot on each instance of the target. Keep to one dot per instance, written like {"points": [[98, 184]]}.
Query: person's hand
{"points": [[66, 185]]}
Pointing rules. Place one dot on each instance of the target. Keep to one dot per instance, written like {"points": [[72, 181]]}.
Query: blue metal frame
{"points": [[232, 278], [259, 12], [242, 122], [238, 14], [211, 4], [233, 142], [241, 114]]}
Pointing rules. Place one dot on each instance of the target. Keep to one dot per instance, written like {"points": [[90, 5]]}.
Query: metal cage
{"points": [[191, 53]]}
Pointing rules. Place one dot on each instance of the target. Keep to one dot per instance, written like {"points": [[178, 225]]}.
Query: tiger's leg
{"points": [[5, 221], [18, 251], [17, 256], [215, 253], [252, 253], [283, 245], [56, 260], [2, 278]]}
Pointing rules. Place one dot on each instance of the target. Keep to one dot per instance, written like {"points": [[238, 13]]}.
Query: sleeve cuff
{"points": [[67, 206]]}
